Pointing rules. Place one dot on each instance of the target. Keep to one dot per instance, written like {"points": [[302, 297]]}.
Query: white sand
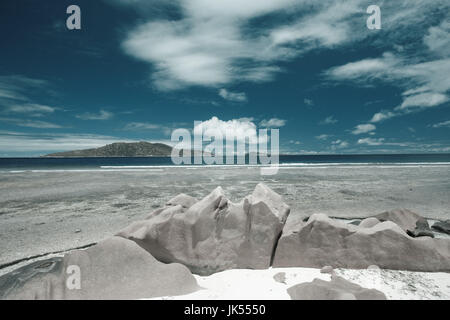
{"points": [[260, 285]]}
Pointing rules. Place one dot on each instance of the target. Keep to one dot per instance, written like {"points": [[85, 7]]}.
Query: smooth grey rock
{"points": [[336, 289], [113, 269], [404, 218], [369, 222], [215, 234], [182, 199], [442, 226], [374, 267], [327, 269], [422, 229], [280, 277], [324, 241]]}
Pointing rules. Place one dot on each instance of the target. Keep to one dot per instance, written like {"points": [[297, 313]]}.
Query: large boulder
{"points": [[336, 289], [324, 241], [404, 218], [214, 234], [113, 269]]}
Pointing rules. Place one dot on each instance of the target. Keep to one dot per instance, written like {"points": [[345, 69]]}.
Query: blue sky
{"points": [[139, 69]]}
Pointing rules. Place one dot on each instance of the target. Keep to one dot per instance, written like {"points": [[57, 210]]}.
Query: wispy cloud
{"points": [[442, 124], [371, 141], [328, 120], [31, 123], [233, 96], [323, 137], [425, 84], [20, 88], [308, 102], [30, 109], [101, 115]]}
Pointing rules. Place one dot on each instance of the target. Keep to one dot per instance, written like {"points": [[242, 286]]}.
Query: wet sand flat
{"points": [[47, 211]]}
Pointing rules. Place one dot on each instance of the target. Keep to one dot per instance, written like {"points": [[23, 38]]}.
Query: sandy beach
{"points": [[261, 285], [47, 211]]}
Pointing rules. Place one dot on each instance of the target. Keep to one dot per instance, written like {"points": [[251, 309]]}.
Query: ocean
{"points": [[14, 164]]}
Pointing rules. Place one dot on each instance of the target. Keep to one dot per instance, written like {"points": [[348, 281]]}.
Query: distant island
{"points": [[120, 149]]}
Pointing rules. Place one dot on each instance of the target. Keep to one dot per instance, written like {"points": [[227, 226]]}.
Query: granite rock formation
{"points": [[325, 241], [214, 234], [113, 269]]}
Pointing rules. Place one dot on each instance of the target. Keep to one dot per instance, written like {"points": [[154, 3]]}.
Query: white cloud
{"points": [[236, 129], [19, 89], [425, 84], [438, 39], [141, 126], [323, 137], [363, 128], [442, 124], [371, 141], [31, 123], [423, 100], [381, 116], [102, 115], [339, 144], [210, 43], [308, 102], [30, 109], [328, 120], [273, 123], [233, 96]]}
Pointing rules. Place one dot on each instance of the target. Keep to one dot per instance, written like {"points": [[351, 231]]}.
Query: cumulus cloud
{"points": [[273, 123], [101, 115], [233, 96], [236, 129], [363, 128]]}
